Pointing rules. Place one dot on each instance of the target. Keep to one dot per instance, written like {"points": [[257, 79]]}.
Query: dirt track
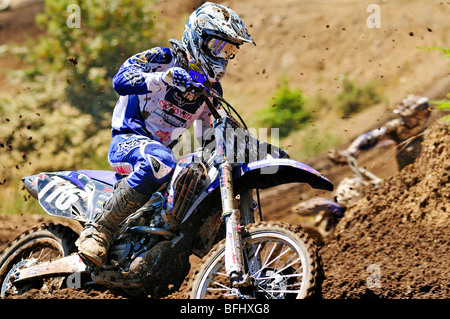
{"points": [[400, 229]]}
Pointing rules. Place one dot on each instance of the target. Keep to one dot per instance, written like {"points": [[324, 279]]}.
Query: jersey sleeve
{"points": [[142, 73], [367, 140]]}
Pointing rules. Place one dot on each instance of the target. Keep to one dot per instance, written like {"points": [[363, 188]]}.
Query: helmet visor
{"points": [[218, 48]]}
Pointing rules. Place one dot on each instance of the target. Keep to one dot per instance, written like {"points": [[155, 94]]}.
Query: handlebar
{"points": [[198, 80]]}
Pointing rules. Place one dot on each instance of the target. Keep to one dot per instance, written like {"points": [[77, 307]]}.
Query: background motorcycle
{"points": [[319, 215]]}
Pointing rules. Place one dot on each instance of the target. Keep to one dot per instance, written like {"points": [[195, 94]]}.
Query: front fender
{"points": [[272, 172], [262, 174]]}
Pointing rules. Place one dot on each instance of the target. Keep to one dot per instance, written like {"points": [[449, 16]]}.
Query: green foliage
{"points": [[41, 130], [446, 51], [443, 105], [89, 56], [287, 111], [354, 98], [54, 123], [60, 119]]}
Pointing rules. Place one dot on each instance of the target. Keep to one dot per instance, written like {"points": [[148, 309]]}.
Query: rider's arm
{"points": [[143, 72], [370, 139], [366, 141]]}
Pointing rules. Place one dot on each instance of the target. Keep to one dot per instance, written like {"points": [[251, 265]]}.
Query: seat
{"points": [[108, 177]]}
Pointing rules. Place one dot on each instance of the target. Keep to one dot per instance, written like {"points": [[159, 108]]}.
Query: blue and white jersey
{"points": [[147, 106]]}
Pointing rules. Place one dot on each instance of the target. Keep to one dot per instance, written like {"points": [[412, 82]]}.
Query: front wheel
{"points": [[281, 261]]}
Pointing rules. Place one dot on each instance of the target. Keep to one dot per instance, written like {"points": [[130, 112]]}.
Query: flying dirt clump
{"points": [[394, 242]]}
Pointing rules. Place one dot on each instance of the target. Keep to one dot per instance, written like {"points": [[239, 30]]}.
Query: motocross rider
{"points": [[155, 107], [414, 113], [406, 131]]}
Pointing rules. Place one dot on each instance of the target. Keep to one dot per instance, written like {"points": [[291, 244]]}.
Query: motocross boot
{"points": [[97, 236]]}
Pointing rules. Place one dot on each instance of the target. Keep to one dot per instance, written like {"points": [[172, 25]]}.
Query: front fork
{"points": [[234, 260]]}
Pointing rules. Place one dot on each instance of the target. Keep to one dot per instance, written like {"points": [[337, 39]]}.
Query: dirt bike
{"points": [[206, 209], [319, 215]]}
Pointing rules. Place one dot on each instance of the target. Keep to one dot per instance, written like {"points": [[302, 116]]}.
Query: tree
{"points": [[86, 50], [60, 119]]}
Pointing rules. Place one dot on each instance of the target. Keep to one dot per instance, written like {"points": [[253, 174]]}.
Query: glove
{"points": [[177, 77]]}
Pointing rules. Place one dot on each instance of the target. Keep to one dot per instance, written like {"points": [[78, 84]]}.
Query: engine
{"points": [[139, 233]]}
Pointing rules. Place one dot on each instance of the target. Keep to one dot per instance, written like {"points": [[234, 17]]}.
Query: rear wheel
{"points": [[40, 244], [281, 261]]}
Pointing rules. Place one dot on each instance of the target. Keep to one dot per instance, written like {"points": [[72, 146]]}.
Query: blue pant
{"points": [[147, 163]]}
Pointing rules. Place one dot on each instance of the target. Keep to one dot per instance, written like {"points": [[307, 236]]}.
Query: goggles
{"points": [[221, 49]]}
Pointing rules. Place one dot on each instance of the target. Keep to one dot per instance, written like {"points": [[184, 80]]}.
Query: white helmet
{"points": [[212, 36]]}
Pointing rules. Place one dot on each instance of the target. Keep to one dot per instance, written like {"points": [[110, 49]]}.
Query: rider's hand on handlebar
{"points": [[177, 77]]}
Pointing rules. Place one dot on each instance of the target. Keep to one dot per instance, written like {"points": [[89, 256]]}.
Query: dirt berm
{"points": [[400, 232]]}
